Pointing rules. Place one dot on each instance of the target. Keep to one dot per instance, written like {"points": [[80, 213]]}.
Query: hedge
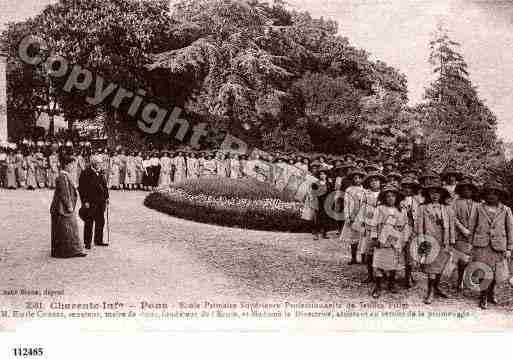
{"points": [[244, 203]]}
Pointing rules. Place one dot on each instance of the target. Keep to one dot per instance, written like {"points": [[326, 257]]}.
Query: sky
{"points": [[398, 32]]}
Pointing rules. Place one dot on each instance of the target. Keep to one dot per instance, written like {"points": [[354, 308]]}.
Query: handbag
{"points": [[85, 214], [307, 213]]}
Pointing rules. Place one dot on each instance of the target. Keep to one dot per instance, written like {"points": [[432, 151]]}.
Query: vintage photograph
{"points": [[256, 165]]}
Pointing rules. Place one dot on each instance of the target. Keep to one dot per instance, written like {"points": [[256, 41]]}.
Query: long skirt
{"points": [[164, 179], [147, 177], [31, 179], [10, 177], [131, 175], [154, 173], [495, 260], [41, 177], [139, 176], [122, 175], [21, 177], [114, 177], [3, 170], [65, 239], [180, 175], [52, 176]]}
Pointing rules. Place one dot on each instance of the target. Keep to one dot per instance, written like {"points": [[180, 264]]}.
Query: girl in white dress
{"points": [[180, 167], [131, 171], [139, 171], [209, 167], [353, 201], [372, 184], [235, 166], [165, 170], [114, 171], [192, 166]]}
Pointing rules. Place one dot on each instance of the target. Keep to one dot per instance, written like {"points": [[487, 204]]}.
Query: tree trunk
{"points": [[110, 126], [51, 126]]}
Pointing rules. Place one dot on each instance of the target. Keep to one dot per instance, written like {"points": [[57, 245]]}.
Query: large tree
{"points": [[274, 77], [460, 128], [110, 38], [257, 70], [28, 91]]}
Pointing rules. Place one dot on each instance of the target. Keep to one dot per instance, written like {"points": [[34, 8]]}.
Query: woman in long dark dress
{"points": [[65, 239]]}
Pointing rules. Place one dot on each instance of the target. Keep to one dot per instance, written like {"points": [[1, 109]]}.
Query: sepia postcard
{"points": [[312, 166]]}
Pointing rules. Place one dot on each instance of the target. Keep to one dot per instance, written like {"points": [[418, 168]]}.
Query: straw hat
{"points": [[359, 159], [411, 172], [356, 172], [394, 175], [428, 175], [390, 188], [349, 156], [450, 171], [435, 183], [372, 167], [389, 162], [346, 166], [410, 181], [494, 186], [465, 181], [371, 175]]}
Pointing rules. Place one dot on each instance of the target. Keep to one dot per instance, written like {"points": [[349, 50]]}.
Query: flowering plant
{"points": [[229, 202]]}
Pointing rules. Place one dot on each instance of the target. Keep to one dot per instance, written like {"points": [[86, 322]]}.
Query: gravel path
{"points": [[163, 259]]}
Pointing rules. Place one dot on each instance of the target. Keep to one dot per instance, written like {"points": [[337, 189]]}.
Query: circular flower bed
{"points": [[244, 203]]}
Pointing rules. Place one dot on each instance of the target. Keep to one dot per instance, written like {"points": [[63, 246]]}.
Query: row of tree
{"points": [[274, 77]]}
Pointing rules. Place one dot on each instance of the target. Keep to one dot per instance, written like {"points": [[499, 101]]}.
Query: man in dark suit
{"points": [[94, 195]]}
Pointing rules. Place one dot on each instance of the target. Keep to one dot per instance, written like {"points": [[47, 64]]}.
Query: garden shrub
{"points": [[243, 203]]}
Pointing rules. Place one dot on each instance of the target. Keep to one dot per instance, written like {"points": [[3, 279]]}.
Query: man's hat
{"points": [[85, 213]]}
